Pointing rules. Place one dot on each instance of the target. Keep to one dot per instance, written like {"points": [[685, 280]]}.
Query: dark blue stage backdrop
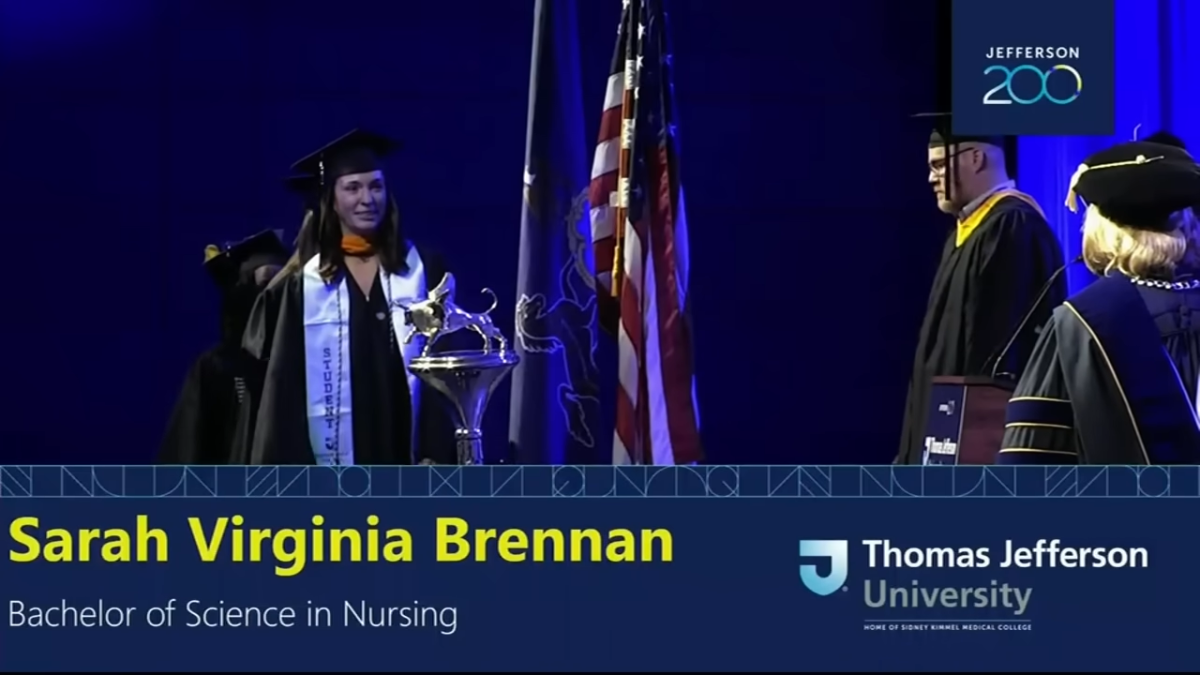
{"points": [[718, 568], [137, 132]]}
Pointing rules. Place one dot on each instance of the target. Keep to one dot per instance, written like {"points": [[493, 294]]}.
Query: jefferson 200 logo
{"points": [[995, 97]]}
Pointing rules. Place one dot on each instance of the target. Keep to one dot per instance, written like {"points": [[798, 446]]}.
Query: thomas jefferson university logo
{"points": [[838, 555]]}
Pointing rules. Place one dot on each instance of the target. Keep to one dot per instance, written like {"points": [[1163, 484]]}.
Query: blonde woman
{"points": [[1114, 376]]}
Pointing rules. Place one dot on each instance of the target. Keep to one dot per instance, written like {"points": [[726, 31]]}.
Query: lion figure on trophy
{"points": [[466, 379], [438, 315]]}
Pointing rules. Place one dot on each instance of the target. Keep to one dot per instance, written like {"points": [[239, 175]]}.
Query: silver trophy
{"points": [[465, 378]]}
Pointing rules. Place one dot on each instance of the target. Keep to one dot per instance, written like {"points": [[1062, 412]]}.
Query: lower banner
{"points": [[598, 568]]}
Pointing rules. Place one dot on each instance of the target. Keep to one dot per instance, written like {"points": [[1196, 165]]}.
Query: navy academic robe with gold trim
{"points": [[1106, 381]]}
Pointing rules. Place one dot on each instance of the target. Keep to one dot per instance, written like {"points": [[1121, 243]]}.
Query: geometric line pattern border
{"points": [[600, 482]]}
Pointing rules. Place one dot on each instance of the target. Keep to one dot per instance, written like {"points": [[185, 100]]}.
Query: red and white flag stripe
{"points": [[656, 408]]}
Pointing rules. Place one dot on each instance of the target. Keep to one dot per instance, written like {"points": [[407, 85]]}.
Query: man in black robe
{"points": [[205, 422], [337, 389], [995, 266], [1114, 376]]}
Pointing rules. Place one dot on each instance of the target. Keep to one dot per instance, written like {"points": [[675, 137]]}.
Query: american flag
{"points": [[639, 231]]}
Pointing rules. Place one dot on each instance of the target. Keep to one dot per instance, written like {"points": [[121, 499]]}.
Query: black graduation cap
{"points": [[227, 265], [307, 187], [1137, 184], [357, 152], [943, 135]]}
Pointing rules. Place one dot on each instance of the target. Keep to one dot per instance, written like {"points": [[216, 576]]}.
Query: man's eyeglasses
{"points": [[939, 165]]}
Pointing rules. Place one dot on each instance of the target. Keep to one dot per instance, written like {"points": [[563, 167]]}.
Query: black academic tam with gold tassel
{"points": [[995, 262]]}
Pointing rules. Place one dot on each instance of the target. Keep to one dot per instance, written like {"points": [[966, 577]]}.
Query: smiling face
{"points": [[360, 200]]}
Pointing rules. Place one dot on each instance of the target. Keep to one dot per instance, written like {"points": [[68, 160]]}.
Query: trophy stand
{"points": [[466, 380]]}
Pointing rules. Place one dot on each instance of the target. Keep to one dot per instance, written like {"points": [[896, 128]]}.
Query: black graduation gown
{"points": [[1112, 381], [214, 409], [981, 291], [380, 395]]}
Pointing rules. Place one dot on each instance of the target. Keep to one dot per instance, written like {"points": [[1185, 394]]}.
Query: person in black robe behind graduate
{"points": [[206, 418], [1114, 376], [995, 266], [337, 389], [306, 188]]}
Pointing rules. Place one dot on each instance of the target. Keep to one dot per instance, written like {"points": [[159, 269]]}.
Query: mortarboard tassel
{"points": [[1072, 200]]}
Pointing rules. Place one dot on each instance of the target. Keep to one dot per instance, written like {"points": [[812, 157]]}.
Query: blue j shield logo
{"points": [[837, 552], [1035, 84]]}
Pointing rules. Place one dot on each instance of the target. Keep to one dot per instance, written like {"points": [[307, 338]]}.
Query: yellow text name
{"points": [[291, 550], [458, 542], [58, 545]]}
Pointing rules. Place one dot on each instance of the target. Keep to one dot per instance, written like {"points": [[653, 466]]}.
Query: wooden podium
{"points": [[965, 422]]}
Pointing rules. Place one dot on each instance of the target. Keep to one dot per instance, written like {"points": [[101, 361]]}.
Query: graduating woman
{"points": [[337, 390], [1114, 376]]}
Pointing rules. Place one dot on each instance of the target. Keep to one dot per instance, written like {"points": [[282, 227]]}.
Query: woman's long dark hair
{"points": [[304, 248], [390, 245]]}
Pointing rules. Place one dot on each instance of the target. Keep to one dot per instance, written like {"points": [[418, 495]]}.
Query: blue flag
{"points": [[556, 412]]}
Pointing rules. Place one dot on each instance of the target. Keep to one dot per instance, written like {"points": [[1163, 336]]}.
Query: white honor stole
{"points": [[327, 355]]}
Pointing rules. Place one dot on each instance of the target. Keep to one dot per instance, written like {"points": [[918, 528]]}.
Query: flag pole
{"points": [[628, 133]]}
